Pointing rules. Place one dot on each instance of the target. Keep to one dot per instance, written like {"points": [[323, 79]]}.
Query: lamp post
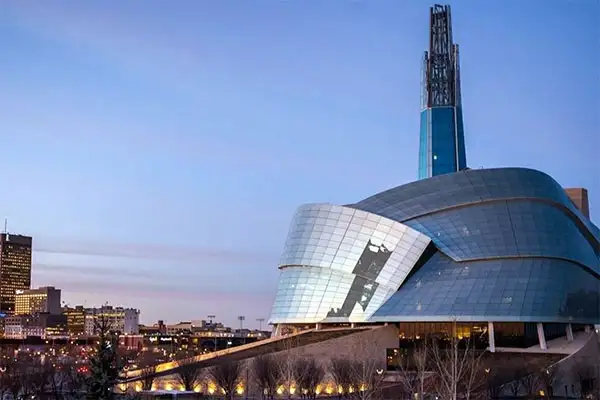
{"points": [[211, 318], [241, 318], [260, 321]]}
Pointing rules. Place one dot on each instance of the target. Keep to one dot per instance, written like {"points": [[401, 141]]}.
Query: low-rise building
{"points": [[119, 319], [75, 320], [43, 325]]}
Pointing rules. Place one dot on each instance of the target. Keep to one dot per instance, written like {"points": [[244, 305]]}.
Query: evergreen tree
{"points": [[105, 364]]}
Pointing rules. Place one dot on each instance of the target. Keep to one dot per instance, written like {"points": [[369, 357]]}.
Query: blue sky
{"points": [[157, 154]]}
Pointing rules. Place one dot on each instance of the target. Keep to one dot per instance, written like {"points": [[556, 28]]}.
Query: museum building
{"points": [[502, 255]]}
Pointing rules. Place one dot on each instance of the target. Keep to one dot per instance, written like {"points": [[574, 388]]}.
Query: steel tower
{"points": [[442, 144]]}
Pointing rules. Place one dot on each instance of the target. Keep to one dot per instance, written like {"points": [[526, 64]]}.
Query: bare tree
{"points": [[308, 374], [368, 367], [10, 378], [512, 377], [531, 384], [285, 361], [106, 365], [549, 378], [60, 381], [227, 376], [457, 369], [267, 375], [495, 381], [342, 372], [413, 370], [75, 382], [586, 374], [14, 378], [38, 376], [188, 373]]}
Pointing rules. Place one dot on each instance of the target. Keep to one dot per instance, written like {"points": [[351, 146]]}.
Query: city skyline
{"points": [[159, 161]]}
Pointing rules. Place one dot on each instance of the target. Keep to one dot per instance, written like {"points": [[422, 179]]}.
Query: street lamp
{"points": [[260, 321]]}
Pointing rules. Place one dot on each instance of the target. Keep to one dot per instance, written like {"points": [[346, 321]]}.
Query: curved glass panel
{"points": [[363, 257], [525, 290], [467, 187], [507, 229]]}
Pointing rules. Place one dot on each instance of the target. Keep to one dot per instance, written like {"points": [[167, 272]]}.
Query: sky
{"points": [[157, 154]]}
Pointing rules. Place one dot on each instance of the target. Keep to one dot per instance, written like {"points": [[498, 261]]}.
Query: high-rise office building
{"points": [[579, 197], [15, 268], [442, 143], [33, 301]]}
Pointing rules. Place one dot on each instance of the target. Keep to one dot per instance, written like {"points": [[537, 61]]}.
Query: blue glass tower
{"points": [[442, 144]]}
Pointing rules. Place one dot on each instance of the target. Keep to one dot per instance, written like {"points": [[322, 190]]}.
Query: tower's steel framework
{"points": [[442, 139]]}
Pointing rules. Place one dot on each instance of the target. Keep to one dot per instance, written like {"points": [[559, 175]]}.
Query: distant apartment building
{"points": [[42, 325], [43, 300], [184, 327], [15, 268], [579, 197], [121, 320], [75, 320]]}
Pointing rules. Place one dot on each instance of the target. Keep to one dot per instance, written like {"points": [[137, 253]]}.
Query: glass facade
{"points": [[442, 147], [468, 187], [520, 290], [424, 149], [503, 245], [517, 228], [340, 264]]}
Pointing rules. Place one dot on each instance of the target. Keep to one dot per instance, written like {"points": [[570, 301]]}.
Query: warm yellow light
{"points": [[138, 388], [318, 390], [211, 390], [168, 386], [123, 387], [280, 390], [340, 389], [182, 388], [362, 388], [542, 393], [328, 390], [292, 389], [240, 390], [198, 389]]}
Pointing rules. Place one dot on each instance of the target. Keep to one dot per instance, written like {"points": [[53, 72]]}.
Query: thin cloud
{"points": [[167, 292], [205, 255], [165, 281], [51, 270]]}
